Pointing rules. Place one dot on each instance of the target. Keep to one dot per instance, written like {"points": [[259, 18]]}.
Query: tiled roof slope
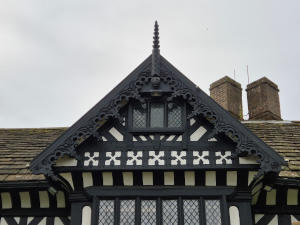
{"points": [[19, 146], [284, 137]]}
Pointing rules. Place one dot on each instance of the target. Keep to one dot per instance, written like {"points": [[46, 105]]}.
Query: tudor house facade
{"points": [[157, 150]]}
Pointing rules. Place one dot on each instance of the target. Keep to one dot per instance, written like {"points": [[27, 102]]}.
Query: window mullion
{"points": [[224, 211], [202, 218], [159, 211], [138, 211], [95, 211], [180, 211], [117, 211]]}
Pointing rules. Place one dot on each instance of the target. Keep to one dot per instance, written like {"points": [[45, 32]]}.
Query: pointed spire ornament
{"points": [[155, 52]]}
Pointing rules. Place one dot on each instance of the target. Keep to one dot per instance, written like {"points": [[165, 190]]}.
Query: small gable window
{"points": [[157, 115]]}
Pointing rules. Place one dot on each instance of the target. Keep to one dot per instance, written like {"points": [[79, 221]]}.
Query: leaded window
{"points": [[157, 115], [139, 115], [173, 211]]}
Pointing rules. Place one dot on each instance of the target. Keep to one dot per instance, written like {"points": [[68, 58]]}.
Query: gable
{"points": [[156, 77]]}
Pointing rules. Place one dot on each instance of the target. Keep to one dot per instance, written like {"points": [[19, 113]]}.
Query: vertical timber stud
{"points": [[76, 213], [201, 210], [245, 213], [159, 219], [138, 210], [225, 210], [95, 211], [180, 211]]}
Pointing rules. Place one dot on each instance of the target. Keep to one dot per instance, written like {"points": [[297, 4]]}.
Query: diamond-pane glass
{"points": [[106, 212], [157, 115], [148, 212], [174, 116], [213, 212], [139, 115], [191, 212], [170, 212], [127, 212]]}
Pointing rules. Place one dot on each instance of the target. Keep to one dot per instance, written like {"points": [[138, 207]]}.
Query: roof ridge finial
{"points": [[156, 36], [155, 51]]}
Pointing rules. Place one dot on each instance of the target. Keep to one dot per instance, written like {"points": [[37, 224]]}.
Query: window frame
{"points": [[164, 129], [159, 194]]}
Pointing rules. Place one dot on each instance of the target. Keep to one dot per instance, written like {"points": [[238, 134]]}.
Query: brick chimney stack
{"points": [[228, 93], [263, 100]]}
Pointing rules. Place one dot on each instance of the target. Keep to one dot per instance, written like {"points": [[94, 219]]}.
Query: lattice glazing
{"points": [[139, 115], [191, 212], [106, 212], [213, 212], [148, 212], [127, 212], [169, 212], [174, 116], [157, 115]]}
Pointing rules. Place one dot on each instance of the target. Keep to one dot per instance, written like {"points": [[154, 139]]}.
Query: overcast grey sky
{"points": [[59, 58]]}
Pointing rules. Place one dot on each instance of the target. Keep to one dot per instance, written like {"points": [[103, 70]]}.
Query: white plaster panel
{"points": [[251, 175], [257, 217], [134, 159], [169, 178], [87, 178], [274, 221], [127, 178], [292, 197], [179, 138], [66, 161], [271, 197], [226, 157], [86, 215], [212, 139], [189, 177], [248, 160], [234, 215], [68, 177], [60, 199], [192, 121], [3, 221], [57, 221], [153, 158], [170, 138], [147, 178], [143, 138], [92, 157], [200, 159], [293, 219], [29, 219], [6, 200], [178, 158], [107, 178], [25, 199], [210, 178], [43, 221], [196, 136], [44, 199], [231, 178], [116, 134], [113, 158]]}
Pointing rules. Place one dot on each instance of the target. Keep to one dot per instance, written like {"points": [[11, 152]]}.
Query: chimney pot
{"points": [[228, 93], [263, 100]]}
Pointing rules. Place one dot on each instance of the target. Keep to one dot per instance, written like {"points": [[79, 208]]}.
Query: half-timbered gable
{"points": [[157, 135], [155, 150]]}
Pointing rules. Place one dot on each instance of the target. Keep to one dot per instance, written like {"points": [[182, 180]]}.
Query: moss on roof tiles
{"points": [[19, 146]]}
